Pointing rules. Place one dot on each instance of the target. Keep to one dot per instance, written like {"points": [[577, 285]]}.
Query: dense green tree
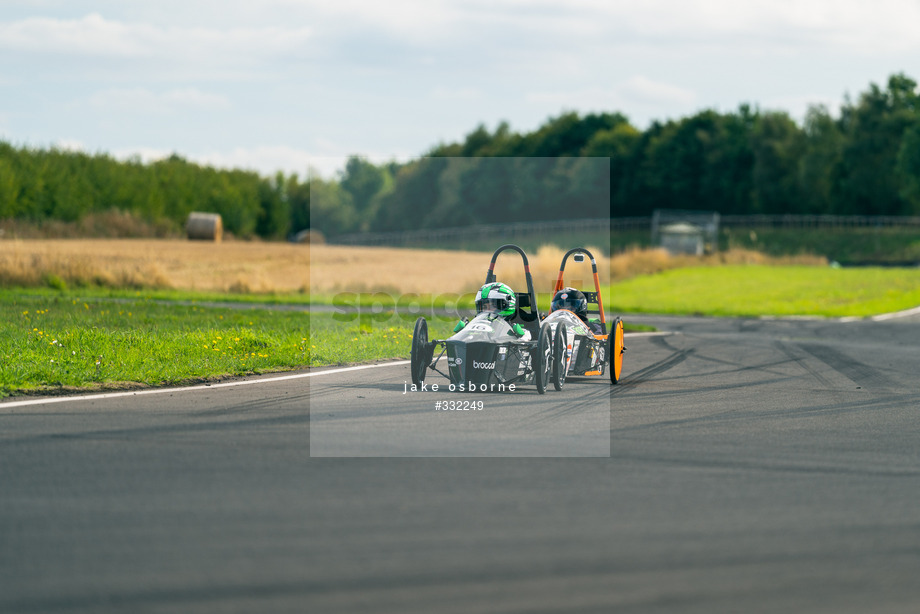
{"points": [[866, 179], [415, 194], [908, 167], [363, 181], [331, 209], [619, 144], [274, 221], [566, 135], [778, 146], [9, 190], [867, 161], [822, 152], [298, 195]]}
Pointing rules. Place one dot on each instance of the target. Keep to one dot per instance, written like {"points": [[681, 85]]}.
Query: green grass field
{"points": [[101, 339], [776, 291], [68, 342]]}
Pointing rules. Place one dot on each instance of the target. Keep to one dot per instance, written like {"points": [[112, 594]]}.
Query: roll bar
{"points": [[560, 284], [490, 276]]}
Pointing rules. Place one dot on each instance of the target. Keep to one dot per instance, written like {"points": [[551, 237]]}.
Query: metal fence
{"points": [[616, 224], [481, 231], [819, 221]]}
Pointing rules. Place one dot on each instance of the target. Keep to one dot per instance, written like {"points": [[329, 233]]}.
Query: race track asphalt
{"points": [[754, 466]]}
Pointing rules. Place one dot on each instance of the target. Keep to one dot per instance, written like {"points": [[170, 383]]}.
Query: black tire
{"points": [[615, 350], [560, 356], [419, 353], [543, 361]]}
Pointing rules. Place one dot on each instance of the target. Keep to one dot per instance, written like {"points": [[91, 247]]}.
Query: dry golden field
{"points": [[156, 263], [238, 266], [339, 268]]}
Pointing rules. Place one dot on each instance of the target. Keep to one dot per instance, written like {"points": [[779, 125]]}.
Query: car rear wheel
{"points": [[560, 356], [615, 350], [419, 352], [543, 363]]}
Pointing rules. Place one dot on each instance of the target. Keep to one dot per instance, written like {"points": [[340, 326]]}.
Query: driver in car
{"points": [[500, 298], [576, 302]]}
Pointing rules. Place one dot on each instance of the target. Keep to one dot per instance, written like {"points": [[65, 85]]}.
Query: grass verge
{"points": [[54, 341], [769, 290], [65, 343]]}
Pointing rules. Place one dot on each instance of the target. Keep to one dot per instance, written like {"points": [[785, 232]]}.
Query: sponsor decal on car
{"points": [[483, 365]]}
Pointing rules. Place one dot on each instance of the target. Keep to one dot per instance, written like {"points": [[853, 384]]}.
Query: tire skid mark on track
{"points": [[224, 425], [252, 406], [769, 367], [741, 415], [786, 348], [862, 374], [660, 393], [587, 402], [633, 379], [767, 465]]}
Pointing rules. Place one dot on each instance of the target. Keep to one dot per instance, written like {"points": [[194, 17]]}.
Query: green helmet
{"points": [[496, 297]]}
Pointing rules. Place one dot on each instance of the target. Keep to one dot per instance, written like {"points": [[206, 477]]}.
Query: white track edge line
{"points": [[245, 382], [896, 314]]}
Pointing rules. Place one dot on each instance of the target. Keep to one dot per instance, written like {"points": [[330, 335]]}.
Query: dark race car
{"points": [[591, 347], [488, 354]]}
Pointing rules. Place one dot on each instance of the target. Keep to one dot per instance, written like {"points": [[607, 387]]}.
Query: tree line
{"points": [[38, 185], [863, 160]]}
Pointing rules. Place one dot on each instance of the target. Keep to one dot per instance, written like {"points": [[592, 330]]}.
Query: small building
{"points": [[685, 232], [682, 238]]}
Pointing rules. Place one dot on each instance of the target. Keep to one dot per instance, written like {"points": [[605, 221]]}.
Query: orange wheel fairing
{"points": [[617, 348]]}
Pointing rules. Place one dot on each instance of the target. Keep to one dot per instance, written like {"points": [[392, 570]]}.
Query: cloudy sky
{"points": [[286, 84]]}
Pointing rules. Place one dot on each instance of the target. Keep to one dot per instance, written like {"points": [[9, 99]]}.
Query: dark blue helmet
{"points": [[573, 300]]}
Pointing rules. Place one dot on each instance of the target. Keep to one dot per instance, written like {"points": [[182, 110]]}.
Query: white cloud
{"points": [[265, 159], [635, 90], [94, 35], [402, 75], [644, 90], [854, 19], [456, 93], [69, 145], [143, 101], [324, 158], [269, 159]]}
